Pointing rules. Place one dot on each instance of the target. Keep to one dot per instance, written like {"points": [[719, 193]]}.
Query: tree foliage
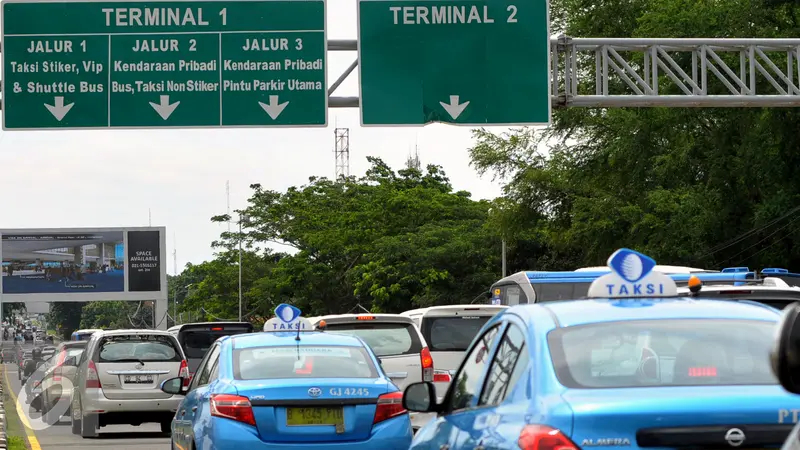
{"points": [[701, 186], [388, 241]]}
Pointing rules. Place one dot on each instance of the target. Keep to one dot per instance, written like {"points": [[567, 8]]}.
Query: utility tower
{"points": [[413, 161], [342, 151]]}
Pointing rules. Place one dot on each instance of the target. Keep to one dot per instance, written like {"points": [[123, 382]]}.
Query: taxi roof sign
{"points": [[632, 276], [287, 318]]}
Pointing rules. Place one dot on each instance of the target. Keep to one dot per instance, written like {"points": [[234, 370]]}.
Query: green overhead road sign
{"points": [[464, 62], [164, 64]]}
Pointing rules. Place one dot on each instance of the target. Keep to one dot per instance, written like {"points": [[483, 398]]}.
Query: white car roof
{"points": [[451, 310]]}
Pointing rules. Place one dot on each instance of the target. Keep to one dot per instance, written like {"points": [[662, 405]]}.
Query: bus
{"points": [[542, 286], [83, 335], [197, 338]]}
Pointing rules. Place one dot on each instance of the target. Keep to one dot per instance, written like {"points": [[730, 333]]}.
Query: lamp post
{"points": [[502, 251], [504, 257], [241, 218], [175, 301]]}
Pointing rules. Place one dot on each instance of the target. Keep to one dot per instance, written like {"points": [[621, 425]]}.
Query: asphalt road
{"points": [[116, 437]]}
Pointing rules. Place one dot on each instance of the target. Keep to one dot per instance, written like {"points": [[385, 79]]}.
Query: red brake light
{"points": [[365, 318], [216, 328], [308, 367], [233, 407], [183, 372], [389, 405], [62, 357], [702, 371], [541, 437], [92, 379], [427, 364], [441, 376]]}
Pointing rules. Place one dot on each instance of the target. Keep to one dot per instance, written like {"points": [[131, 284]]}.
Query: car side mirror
{"points": [[71, 361], [420, 397], [173, 386], [785, 353]]}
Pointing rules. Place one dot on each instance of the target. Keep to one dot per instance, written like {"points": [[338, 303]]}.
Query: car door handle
{"points": [[396, 375], [194, 408], [182, 413]]}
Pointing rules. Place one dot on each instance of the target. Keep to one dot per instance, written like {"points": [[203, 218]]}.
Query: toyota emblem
{"points": [[734, 437], [139, 366], [316, 392]]}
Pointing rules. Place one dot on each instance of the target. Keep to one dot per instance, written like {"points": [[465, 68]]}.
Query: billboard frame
{"points": [[125, 295]]}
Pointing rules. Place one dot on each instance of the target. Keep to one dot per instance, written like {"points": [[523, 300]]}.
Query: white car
{"points": [[770, 291]]}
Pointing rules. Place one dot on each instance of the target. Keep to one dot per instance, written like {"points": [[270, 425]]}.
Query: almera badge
{"points": [[632, 276]]}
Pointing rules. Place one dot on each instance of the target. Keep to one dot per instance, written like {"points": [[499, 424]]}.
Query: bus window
{"points": [[550, 292], [513, 294]]}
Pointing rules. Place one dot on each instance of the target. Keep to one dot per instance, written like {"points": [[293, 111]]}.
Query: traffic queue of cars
{"points": [[638, 362]]}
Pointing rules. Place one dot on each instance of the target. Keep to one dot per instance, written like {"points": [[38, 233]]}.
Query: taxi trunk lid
{"points": [[356, 398], [682, 417]]}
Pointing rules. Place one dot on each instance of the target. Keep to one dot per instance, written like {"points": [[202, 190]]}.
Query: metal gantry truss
{"points": [[677, 72]]}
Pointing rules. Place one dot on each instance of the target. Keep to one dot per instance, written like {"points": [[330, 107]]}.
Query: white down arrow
{"points": [[164, 109], [454, 108]]}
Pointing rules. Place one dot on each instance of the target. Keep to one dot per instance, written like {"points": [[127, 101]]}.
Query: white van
{"points": [[448, 331]]}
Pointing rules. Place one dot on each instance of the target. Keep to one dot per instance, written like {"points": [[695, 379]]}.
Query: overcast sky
{"points": [[54, 179]]}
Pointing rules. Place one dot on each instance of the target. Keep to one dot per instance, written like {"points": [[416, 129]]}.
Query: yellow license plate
{"points": [[314, 416]]}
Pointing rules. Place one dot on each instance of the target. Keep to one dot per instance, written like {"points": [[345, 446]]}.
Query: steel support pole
{"points": [[240, 268]]}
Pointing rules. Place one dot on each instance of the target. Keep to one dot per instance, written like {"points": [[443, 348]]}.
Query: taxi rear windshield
{"points": [[691, 352], [260, 363], [384, 338], [451, 334]]}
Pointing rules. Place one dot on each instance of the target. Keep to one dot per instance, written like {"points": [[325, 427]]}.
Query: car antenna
{"points": [[297, 338], [358, 306]]}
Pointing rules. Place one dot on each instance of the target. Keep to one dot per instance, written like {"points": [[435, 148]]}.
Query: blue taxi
{"points": [[289, 389], [634, 366]]}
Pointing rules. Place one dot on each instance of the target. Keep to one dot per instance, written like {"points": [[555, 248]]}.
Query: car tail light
{"points": [[233, 407], [541, 437], [427, 364], [183, 372], [442, 376], [62, 357], [92, 378], [389, 405]]}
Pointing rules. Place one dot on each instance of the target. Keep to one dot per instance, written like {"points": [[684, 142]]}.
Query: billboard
{"points": [[83, 264]]}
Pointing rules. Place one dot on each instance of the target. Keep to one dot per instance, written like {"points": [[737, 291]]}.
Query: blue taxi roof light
{"points": [[774, 270], [632, 275]]}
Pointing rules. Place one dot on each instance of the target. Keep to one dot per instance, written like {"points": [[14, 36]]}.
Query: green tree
{"points": [[107, 314], [700, 186], [210, 290], [388, 240], [65, 317]]}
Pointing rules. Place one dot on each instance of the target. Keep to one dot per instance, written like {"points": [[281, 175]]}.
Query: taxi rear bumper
{"points": [[392, 434]]}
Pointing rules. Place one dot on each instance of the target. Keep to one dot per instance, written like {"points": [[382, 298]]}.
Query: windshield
{"points": [[140, 347], [196, 343], [451, 334], [690, 352], [385, 339], [302, 362]]}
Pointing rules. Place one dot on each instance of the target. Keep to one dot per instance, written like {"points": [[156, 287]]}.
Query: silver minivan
{"points": [[395, 340], [119, 377]]}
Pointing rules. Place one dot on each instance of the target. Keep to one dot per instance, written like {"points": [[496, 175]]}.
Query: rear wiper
{"points": [[128, 360]]}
